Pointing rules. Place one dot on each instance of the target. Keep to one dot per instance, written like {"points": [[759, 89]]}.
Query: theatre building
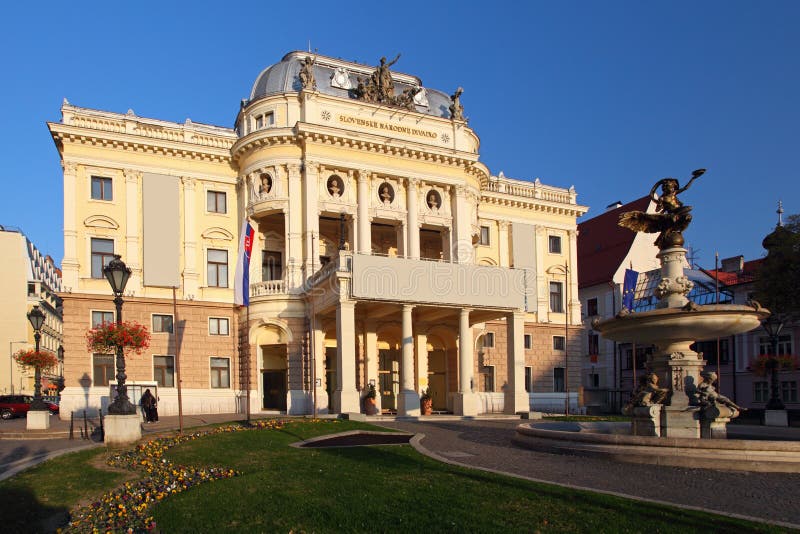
{"points": [[384, 253]]}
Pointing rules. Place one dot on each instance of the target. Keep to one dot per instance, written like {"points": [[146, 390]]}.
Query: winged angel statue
{"points": [[671, 217]]}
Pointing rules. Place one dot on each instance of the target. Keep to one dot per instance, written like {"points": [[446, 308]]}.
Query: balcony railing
{"points": [[268, 287]]}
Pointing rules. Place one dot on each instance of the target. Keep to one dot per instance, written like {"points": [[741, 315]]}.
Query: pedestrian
{"points": [[148, 403]]}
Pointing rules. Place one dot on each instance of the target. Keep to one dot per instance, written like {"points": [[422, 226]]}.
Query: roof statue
{"points": [[379, 88], [307, 79], [456, 109], [671, 217]]}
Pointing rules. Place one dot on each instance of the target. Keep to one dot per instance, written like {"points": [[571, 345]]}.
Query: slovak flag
{"points": [[241, 284]]}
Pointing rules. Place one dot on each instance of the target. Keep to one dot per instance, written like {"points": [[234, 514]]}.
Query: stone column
{"points": [[516, 398], [319, 365], [502, 244], [132, 231], [191, 277], [311, 230], [466, 402], [408, 399], [70, 263], [364, 232], [421, 341], [345, 398], [462, 244], [371, 346], [294, 226], [412, 220]]}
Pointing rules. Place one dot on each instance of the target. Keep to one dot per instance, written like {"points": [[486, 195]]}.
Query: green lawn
{"points": [[380, 489]]}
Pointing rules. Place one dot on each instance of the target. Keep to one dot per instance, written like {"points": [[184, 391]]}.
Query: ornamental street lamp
{"points": [[36, 318], [117, 274], [773, 326]]}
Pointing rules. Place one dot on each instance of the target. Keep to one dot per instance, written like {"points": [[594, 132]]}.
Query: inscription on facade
{"points": [[347, 119]]}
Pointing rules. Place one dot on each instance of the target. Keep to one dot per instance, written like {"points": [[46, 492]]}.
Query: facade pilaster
{"points": [[421, 341], [345, 398], [371, 346], [502, 243], [516, 398], [320, 385], [466, 402], [408, 399], [542, 287], [364, 233], [574, 301], [191, 277], [311, 227], [132, 229], [412, 221], [70, 264], [462, 245], [293, 226]]}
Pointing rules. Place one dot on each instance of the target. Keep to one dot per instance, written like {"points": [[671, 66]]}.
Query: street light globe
{"points": [[36, 317], [117, 274]]}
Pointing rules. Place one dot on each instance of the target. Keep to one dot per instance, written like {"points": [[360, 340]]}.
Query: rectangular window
{"points": [[558, 380], [789, 391], [556, 297], [101, 188], [593, 344], [102, 253], [259, 122], [594, 380], [709, 350], [559, 342], [103, 365], [591, 307], [218, 326], [100, 317], [162, 324], [554, 242], [216, 202], [529, 379], [760, 391], [528, 341], [164, 371], [217, 268], [784, 345], [271, 266], [488, 340], [31, 290], [484, 235], [220, 372], [488, 378]]}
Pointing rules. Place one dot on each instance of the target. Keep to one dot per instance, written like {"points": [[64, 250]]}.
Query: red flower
{"points": [[30, 358], [105, 338]]}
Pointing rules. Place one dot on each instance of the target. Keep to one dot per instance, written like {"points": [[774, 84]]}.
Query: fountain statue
{"points": [[676, 399]]}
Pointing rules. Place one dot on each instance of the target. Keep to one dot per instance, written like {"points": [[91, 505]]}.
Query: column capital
{"points": [[312, 167], [188, 183], [131, 175], [503, 225], [294, 169], [408, 307], [363, 175], [461, 190], [413, 183], [69, 167]]}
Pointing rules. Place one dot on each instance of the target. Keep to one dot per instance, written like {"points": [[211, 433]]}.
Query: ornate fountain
{"points": [[675, 398]]}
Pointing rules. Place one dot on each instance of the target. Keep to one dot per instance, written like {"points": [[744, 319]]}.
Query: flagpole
{"points": [[247, 360], [177, 357]]}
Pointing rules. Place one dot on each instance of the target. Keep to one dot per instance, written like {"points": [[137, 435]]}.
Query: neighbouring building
{"points": [[27, 279], [384, 253]]}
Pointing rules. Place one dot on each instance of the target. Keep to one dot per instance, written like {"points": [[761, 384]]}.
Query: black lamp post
{"points": [[36, 318], [773, 326], [117, 274]]}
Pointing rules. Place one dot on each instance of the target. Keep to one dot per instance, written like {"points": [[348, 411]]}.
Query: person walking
{"points": [[148, 403]]}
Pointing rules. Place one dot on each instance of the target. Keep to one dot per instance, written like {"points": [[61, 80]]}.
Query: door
{"points": [[274, 388], [389, 378], [437, 379], [330, 374]]}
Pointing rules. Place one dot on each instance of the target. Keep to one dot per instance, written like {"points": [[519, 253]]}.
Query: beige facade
{"points": [[381, 244], [27, 279]]}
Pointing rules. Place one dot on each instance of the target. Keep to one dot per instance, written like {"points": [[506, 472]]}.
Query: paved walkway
{"points": [[486, 444]]}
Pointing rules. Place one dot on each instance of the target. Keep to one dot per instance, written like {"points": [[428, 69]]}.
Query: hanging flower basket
{"points": [[31, 358], [105, 338], [762, 365]]}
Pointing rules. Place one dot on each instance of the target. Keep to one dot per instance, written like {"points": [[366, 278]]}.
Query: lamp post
{"points": [[117, 274], [36, 318], [11, 363], [773, 326], [60, 353]]}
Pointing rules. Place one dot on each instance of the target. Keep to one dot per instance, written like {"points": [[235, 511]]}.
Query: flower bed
{"points": [[126, 509]]}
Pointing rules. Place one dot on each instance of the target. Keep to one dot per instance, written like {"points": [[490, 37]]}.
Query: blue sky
{"points": [[606, 96]]}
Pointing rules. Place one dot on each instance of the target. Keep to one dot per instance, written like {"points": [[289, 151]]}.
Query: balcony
{"points": [[267, 288], [394, 279]]}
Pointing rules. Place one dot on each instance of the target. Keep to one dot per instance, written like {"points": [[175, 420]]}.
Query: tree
{"points": [[778, 285]]}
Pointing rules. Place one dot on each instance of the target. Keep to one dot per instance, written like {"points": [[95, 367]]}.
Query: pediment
{"points": [[100, 221], [215, 232]]}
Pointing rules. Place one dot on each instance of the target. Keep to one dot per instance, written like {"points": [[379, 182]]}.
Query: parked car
{"points": [[18, 406]]}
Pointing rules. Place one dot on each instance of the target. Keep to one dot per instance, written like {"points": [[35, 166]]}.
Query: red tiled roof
{"points": [[603, 244], [749, 273]]}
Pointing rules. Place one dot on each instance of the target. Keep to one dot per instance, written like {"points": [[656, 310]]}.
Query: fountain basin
{"points": [[668, 325], [613, 441]]}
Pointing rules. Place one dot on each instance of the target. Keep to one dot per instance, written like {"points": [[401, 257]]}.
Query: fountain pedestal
{"points": [[646, 420]]}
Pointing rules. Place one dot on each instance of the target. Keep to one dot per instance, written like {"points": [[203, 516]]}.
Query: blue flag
{"points": [[629, 288]]}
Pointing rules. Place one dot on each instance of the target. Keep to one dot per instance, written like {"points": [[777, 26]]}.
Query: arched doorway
{"points": [[272, 341]]}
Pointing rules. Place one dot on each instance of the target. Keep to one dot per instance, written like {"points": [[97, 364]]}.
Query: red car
{"points": [[18, 406]]}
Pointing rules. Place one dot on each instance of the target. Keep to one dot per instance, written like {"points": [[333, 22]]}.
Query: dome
{"points": [[283, 77]]}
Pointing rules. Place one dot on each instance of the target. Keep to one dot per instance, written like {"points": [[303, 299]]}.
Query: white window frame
{"points": [[216, 192], [488, 242], [91, 317], [153, 368], [487, 337], [153, 326], [113, 370], [489, 370], [219, 320], [211, 374], [92, 177], [550, 240], [228, 264], [89, 251], [564, 339], [527, 341]]}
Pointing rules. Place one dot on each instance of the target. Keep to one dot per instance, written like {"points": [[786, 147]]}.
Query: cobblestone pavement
{"points": [[487, 444]]}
